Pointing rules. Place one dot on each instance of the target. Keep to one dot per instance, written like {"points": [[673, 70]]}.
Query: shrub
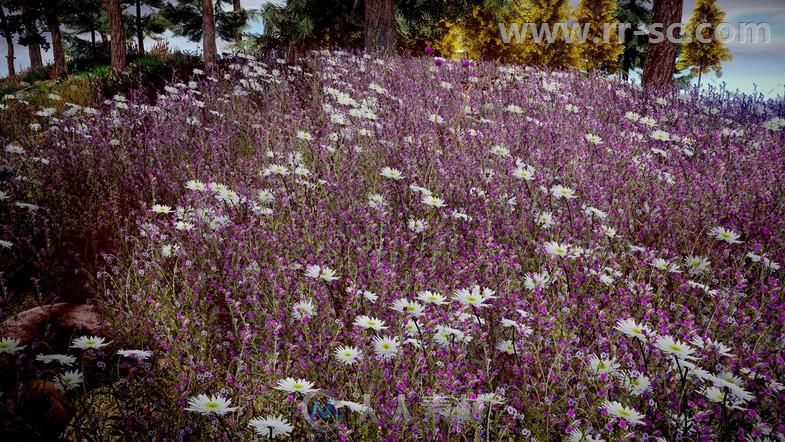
{"points": [[512, 256]]}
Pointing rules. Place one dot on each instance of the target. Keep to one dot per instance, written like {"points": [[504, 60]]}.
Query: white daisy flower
{"points": [[321, 272], [376, 201], [544, 220], [632, 416], [723, 234], [559, 191], [714, 394], [161, 209], [763, 260], [368, 322], [411, 308], [10, 346], [593, 211], [195, 185], [303, 309], [353, 406], [271, 426], [660, 135], [303, 135], [135, 354], [697, 265], [593, 139], [432, 201], [14, 148], [578, 435], [445, 335], [603, 366], [89, 343], [265, 196], [506, 346], [534, 280], [637, 385], [204, 404], [514, 109], [275, 169], [674, 347], [500, 151], [417, 225], [370, 296], [648, 121], [385, 347], [348, 355], [553, 248], [68, 380], [732, 383], [393, 174], [66, 360], [429, 297], [474, 296], [292, 385], [630, 328], [523, 172], [710, 344]]}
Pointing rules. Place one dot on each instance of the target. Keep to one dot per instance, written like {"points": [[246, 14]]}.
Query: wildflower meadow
{"points": [[345, 247]]}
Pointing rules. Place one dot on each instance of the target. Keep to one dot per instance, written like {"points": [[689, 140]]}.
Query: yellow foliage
{"points": [[559, 53], [475, 36], [701, 57], [478, 35], [600, 47]]}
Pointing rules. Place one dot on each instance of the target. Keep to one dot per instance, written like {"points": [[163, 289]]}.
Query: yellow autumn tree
{"points": [[475, 36], [546, 17], [598, 45], [702, 51]]}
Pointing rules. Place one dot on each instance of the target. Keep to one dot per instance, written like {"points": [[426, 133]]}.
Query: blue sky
{"points": [[758, 66]]}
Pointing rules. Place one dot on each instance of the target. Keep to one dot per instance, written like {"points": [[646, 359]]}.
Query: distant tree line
{"points": [[470, 28], [90, 28], [467, 28]]}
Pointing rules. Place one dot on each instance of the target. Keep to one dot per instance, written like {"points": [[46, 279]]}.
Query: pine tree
{"points": [[635, 14], [544, 14], [88, 19], [703, 56], [600, 48]]}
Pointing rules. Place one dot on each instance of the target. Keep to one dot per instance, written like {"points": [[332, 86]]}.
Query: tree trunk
{"points": [[238, 33], [209, 49], [33, 46], [118, 34], [9, 39], [379, 26], [661, 57], [10, 56], [92, 41], [34, 52], [58, 51], [139, 30]]}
